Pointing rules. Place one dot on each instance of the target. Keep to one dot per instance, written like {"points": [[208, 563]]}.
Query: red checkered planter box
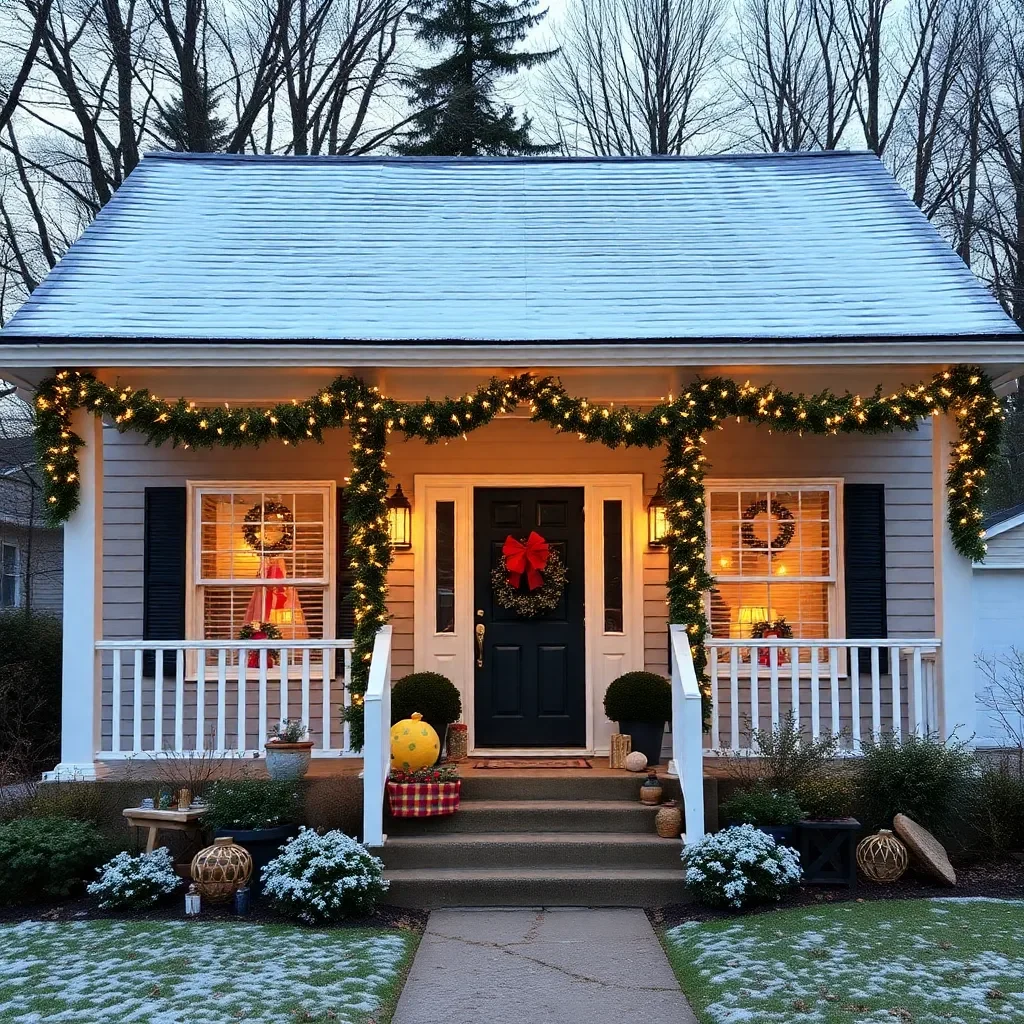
{"points": [[423, 799]]}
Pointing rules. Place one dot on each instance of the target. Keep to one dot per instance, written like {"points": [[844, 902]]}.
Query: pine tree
{"points": [[459, 114], [193, 127]]}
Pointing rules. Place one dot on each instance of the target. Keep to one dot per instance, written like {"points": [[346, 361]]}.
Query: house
{"points": [[675, 296], [998, 622], [30, 552]]}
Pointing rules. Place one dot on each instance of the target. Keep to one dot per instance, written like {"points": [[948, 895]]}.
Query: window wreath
{"points": [[787, 526], [262, 515], [542, 569]]}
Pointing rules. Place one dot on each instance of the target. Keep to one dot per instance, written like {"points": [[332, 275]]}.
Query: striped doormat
{"points": [[531, 762]]}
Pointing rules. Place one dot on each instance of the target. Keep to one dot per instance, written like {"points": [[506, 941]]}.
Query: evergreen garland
{"points": [[680, 423]]}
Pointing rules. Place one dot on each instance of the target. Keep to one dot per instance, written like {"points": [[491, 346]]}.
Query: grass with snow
{"points": [[921, 961], [178, 972]]}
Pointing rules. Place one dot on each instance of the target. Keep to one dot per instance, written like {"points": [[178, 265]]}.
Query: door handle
{"points": [[481, 629]]}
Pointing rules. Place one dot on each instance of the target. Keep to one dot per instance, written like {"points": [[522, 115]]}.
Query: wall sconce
{"points": [[657, 520], [400, 520]]}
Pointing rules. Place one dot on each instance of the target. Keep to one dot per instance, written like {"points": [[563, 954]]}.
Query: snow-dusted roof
{"points": [[822, 245]]}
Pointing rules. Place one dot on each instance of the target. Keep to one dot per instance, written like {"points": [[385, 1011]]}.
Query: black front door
{"points": [[530, 672]]}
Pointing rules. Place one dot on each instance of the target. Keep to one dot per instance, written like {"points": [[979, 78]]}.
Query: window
{"points": [[613, 566], [261, 554], [444, 557], [773, 554], [9, 576]]}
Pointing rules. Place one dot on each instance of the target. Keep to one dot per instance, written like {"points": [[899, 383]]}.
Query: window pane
{"points": [[8, 575], [297, 612], [613, 566], [445, 566], [737, 607]]}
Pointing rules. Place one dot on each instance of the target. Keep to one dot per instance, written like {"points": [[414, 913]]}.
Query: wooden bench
{"points": [[155, 820]]}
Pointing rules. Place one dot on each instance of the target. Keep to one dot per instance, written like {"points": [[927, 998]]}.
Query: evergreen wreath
{"points": [[258, 517], [786, 530], [531, 603], [259, 631]]}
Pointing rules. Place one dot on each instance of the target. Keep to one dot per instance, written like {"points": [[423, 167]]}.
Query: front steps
{"points": [[561, 839]]}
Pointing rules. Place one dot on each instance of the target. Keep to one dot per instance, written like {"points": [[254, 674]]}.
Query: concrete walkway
{"points": [[558, 966]]}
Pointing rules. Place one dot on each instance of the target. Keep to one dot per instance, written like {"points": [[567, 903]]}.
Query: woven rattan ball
{"points": [[220, 870], [882, 857]]}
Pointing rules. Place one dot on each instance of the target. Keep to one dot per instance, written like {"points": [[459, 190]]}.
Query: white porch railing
{"points": [[687, 734], [220, 696], [848, 688], [377, 738]]}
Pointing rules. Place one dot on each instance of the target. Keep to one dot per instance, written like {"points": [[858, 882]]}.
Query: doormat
{"points": [[532, 762]]}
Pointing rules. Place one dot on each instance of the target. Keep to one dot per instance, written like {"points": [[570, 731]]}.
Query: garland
{"points": [[531, 603], [680, 423]]}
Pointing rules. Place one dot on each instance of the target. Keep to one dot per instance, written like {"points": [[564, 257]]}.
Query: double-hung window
{"points": [[261, 555], [773, 552], [10, 570]]}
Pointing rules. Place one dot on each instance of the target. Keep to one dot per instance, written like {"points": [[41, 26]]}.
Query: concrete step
{"points": [[430, 888], [483, 785], [518, 850], [533, 816]]}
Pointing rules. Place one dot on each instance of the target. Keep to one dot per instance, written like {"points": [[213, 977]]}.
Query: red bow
{"points": [[528, 558]]}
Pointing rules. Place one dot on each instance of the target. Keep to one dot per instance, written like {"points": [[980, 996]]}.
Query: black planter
{"points": [[263, 845], [828, 851], [647, 738]]}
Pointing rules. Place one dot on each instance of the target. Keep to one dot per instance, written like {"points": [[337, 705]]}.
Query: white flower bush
{"points": [[323, 878], [140, 881], [739, 867]]}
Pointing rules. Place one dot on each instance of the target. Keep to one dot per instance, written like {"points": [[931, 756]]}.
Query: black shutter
{"points": [[345, 619], [864, 536], [163, 589]]}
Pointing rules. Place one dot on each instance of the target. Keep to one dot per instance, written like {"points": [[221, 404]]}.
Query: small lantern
{"points": [[192, 902], [657, 520], [400, 520]]}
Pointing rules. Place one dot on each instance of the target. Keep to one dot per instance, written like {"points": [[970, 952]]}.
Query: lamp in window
{"points": [[400, 520], [657, 520]]}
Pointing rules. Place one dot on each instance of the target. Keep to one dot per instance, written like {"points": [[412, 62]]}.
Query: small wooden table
{"points": [[154, 820]]}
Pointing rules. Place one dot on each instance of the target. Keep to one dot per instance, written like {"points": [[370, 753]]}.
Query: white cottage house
{"points": [[255, 280]]}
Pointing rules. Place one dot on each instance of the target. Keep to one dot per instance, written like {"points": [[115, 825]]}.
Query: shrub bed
{"points": [[47, 858]]}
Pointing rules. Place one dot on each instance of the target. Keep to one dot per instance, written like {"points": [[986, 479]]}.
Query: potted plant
{"points": [[775, 812], [259, 814], [288, 751], [434, 696], [641, 703], [827, 835], [425, 792]]}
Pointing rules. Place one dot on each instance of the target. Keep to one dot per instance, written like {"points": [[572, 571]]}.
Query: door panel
{"points": [[531, 688]]}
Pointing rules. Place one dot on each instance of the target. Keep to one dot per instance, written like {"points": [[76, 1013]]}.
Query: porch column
{"points": [[81, 690], [954, 600]]}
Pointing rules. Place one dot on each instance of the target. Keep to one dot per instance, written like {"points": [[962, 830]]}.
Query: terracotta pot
{"points": [[288, 760]]}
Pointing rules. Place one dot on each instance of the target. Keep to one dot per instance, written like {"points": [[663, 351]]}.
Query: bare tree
{"points": [[638, 76], [10, 94]]}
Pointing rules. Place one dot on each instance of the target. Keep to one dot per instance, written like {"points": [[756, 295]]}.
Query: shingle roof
{"points": [[822, 245]]}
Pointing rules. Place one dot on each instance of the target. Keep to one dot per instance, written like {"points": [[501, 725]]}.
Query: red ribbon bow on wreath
{"points": [[529, 558]]}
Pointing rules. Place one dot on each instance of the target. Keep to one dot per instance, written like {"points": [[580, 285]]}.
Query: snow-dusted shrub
{"points": [[127, 881], [323, 878], [739, 867]]}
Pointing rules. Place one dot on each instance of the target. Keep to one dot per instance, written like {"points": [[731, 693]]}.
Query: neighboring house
{"points": [[250, 280], [999, 629], [30, 552]]}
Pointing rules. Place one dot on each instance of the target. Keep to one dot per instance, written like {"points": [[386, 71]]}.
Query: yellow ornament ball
{"points": [[414, 744]]}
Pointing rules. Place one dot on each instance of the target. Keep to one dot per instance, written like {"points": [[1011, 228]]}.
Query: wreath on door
{"points": [[530, 578]]}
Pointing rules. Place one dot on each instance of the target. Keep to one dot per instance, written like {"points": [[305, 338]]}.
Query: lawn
{"points": [[95, 972], [925, 961]]}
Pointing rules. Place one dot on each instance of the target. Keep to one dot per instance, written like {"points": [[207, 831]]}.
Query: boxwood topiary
{"points": [[639, 697], [47, 858], [433, 695]]}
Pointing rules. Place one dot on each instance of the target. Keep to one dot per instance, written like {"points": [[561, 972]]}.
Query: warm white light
{"points": [[400, 520]]}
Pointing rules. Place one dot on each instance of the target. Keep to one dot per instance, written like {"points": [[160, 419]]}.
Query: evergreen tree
{"points": [[192, 127], [459, 113]]}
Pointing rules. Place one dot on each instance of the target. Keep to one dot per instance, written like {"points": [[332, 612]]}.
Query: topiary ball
{"points": [[433, 695], [414, 744], [636, 761], [639, 697]]}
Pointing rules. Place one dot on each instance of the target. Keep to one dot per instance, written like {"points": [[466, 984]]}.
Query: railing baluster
{"points": [[305, 687], [263, 701], [325, 699], [179, 699], [897, 709], [222, 699], [815, 695], [794, 682], [855, 697], [158, 703], [115, 704], [876, 695], [734, 694], [755, 696], [243, 682], [773, 666], [713, 667], [137, 704], [918, 691], [833, 668], [201, 700], [346, 698], [284, 685]]}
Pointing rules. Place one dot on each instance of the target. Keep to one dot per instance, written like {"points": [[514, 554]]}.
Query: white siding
{"points": [[1006, 550], [998, 628]]}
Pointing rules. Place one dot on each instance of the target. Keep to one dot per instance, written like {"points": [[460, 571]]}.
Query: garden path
{"points": [[563, 966]]}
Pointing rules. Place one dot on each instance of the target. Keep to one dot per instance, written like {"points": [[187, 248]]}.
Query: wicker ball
{"points": [[636, 761], [222, 869], [882, 857]]}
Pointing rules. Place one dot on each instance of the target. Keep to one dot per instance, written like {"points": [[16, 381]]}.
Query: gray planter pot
{"points": [[288, 760]]}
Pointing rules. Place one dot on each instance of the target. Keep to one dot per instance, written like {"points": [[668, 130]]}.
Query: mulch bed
{"points": [[1004, 880], [87, 909]]}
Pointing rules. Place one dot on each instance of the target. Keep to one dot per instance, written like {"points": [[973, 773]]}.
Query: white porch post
{"points": [[954, 607], [83, 611]]}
